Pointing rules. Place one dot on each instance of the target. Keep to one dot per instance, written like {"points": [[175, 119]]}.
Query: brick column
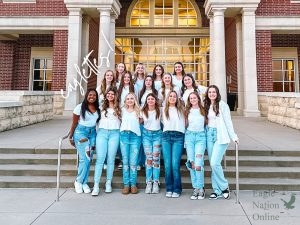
{"points": [[6, 64]]}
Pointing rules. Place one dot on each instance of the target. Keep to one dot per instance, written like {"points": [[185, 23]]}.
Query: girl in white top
{"points": [[189, 85], [148, 87], [108, 138], [120, 71], [178, 74], [125, 87], [166, 87], [130, 142], [139, 77], [157, 75], [219, 132], [107, 81]]}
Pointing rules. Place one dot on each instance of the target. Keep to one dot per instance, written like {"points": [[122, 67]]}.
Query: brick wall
{"points": [[278, 8], [60, 51], [22, 57], [231, 53], [40, 8], [264, 61], [6, 64]]}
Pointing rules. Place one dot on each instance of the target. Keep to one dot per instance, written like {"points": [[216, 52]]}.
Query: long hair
{"points": [[163, 86], [162, 71], [207, 101], [180, 63], [84, 104], [135, 75], [189, 105], [103, 86], [194, 85], [105, 105], [145, 108], [136, 104], [117, 72], [178, 106], [131, 87], [143, 90]]}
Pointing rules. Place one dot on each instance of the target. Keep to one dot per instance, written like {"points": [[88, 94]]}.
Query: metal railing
{"points": [[58, 164], [237, 184]]}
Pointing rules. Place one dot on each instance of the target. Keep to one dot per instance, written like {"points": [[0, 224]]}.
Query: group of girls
{"points": [[157, 114]]}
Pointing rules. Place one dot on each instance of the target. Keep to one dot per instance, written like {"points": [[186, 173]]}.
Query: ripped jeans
{"points": [[85, 141]]}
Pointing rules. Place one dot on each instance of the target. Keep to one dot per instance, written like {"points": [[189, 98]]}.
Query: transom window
{"points": [[284, 75], [163, 13], [42, 74]]}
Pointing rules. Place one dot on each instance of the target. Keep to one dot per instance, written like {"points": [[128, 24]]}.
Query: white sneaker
{"points": [[175, 195], [169, 194], [96, 190], [148, 187], [104, 166], [86, 188], [108, 188], [78, 187], [155, 187]]}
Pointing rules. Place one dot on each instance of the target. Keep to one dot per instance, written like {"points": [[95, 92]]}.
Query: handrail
{"points": [[58, 164], [237, 184]]}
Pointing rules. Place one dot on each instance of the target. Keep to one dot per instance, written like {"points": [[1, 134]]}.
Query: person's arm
{"points": [[73, 127], [228, 122]]}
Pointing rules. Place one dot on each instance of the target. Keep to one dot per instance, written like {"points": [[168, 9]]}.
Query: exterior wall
{"points": [[24, 108], [264, 61], [6, 64], [277, 8], [41, 8]]}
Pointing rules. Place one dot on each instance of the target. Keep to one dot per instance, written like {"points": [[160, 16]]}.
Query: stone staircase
{"points": [[259, 170]]}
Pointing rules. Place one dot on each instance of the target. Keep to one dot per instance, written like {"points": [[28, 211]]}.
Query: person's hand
{"points": [[237, 141], [72, 142]]}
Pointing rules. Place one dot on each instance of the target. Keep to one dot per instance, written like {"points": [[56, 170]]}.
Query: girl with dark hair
{"points": [[166, 87], [148, 87], [107, 81], [195, 143], [218, 133], [157, 75], [151, 139], [178, 74], [83, 136], [172, 143], [125, 87], [107, 140]]}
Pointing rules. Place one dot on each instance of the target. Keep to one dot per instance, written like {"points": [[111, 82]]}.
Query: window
{"points": [[163, 13], [283, 75]]}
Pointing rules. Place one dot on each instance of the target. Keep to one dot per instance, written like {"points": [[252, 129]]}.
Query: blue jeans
{"points": [[107, 143], [152, 148], [130, 145], [215, 155], [172, 147], [85, 140], [195, 143]]}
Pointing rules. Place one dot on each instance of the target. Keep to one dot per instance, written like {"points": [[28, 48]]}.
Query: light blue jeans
{"points": [[152, 148], [172, 147], [195, 143], [85, 140], [215, 155], [107, 143], [130, 145]]}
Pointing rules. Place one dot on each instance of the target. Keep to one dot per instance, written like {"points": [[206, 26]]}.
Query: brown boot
{"points": [[134, 190], [125, 191]]}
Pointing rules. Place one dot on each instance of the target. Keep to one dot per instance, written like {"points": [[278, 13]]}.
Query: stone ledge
{"points": [[7, 104]]}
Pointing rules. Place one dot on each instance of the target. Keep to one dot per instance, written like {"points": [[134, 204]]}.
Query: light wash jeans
{"points": [[152, 148], [215, 155], [107, 143], [130, 145], [172, 147], [195, 143], [85, 140]]}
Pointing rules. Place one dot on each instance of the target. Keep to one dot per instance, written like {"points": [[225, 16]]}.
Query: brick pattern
{"points": [[278, 8], [231, 54], [60, 51], [22, 57], [264, 61], [40, 8], [6, 64]]}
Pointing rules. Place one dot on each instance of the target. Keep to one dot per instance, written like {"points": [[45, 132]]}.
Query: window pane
{"points": [[289, 65], [49, 75], [48, 86], [277, 65], [277, 87], [39, 64], [277, 76], [289, 76], [49, 64], [289, 87], [38, 85], [38, 75]]}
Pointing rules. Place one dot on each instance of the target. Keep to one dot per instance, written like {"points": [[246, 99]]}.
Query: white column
{"points": [[219, 71], [211, 50], [105, 48], [74, 57], [240, 75], [249, 63], [113, 18]]}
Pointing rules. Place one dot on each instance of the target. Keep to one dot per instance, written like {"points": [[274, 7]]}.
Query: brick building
{"points": [[249, 48]]}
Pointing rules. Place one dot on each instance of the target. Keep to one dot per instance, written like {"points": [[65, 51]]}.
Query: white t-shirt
{"points": [[211, 117], [176, 82], [157, 84], [151, 123], [175, 122], [130, 122], [125, 91], [138, 86], [195, 121], [110, 121], [163, 100], [90, 118]]}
